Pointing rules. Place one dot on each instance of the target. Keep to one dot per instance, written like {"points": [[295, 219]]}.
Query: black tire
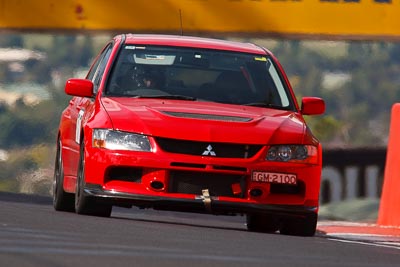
{"points": [[261, 223], [62, 201], [305, 226], [87, 205]]}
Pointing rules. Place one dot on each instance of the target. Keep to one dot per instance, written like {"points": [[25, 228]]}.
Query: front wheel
{"points": [[85, 204], [305, 226]]}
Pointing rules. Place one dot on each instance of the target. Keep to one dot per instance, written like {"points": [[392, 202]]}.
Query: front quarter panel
{"points": [[78, 120]]}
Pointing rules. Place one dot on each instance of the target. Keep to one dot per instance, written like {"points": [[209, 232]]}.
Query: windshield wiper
{"points": [[265, 105], [177, 97]]}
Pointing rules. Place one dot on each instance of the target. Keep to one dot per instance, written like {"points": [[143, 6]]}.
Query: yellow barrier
{"points": [[346, 19]]}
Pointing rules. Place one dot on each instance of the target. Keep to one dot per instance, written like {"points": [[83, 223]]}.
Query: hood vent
{"points": [[207, 116]]}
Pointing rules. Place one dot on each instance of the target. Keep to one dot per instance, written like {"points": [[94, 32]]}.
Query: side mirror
{"points": [[79, 87], [312, 106]]}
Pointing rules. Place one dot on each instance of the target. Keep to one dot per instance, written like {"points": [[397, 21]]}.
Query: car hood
{"points": [[205, 121]]}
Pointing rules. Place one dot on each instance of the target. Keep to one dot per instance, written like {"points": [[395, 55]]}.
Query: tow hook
{"points": [[206, 199]]}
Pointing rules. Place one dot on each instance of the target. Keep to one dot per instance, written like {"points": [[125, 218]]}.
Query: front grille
{"points": [[195, 182], [219, 150]]}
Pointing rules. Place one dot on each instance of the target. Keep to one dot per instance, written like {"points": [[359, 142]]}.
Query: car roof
{"points": [[196, 42]]}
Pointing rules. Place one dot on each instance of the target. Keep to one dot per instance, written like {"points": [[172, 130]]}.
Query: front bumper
{"points": [[172, 181], [199, 204]]}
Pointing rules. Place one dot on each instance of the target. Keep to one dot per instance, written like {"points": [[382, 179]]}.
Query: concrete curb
{"points": [[358, 231]]}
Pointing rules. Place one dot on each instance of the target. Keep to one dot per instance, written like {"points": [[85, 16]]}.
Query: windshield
{"points": [[198, 74]]}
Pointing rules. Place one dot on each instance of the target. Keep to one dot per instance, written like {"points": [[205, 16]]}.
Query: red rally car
{"points": [[189, 124]]}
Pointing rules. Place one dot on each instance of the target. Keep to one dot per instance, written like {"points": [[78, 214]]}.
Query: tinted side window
{"points": [[97, 71], [93, 69]]}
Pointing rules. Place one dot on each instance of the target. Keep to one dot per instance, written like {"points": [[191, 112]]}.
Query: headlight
{"points": [[293, 153], [115, 140]]}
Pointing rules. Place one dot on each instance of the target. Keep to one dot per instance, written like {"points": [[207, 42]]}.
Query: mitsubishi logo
{"points": [[209, 151]]}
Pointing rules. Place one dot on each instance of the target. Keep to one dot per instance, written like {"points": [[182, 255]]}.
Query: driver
{"points": [[147, 77]]}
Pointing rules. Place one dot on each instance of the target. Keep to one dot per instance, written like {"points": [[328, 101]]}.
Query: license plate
{"points": [[274, 178]]}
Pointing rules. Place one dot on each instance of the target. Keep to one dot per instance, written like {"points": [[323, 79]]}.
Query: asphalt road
{"points": [[33, 234]]}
